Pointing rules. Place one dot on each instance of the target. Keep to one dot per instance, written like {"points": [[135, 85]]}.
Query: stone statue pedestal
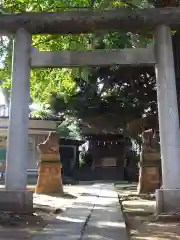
{"points": [[149, 173], [150, 164], [49, 173]]}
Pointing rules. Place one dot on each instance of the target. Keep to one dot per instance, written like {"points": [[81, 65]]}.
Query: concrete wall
{"points": [[35, 126], [38, 132], [33, 156], [34, 140]]}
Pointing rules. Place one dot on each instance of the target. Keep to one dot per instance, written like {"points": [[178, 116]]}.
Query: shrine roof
{"points": [[4, 114], [56, 119], [68, 141], [100, 125], [104, 137]]}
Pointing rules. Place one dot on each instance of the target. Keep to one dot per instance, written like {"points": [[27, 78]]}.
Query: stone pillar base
{"points": [[17, 201], [167, 201], [149, 179]]}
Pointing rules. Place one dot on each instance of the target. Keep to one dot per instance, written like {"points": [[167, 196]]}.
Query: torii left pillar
{"points": [[15, 197]]}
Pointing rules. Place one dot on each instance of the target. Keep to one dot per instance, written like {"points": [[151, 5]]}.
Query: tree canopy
{"points": [[60, 81], [113, 97], [105, 98]]}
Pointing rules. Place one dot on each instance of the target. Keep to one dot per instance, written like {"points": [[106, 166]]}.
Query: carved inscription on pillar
{"points": [[49, 173]]}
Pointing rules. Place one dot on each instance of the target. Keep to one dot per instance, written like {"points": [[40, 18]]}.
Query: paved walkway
{"points": [[96, 214]]}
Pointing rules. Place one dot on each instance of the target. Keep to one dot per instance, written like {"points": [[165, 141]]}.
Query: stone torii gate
{"points": [[160, 55]]}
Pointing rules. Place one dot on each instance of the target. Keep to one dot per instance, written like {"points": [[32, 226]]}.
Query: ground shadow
{"points": [[141, 220], [13, 226], [62, 195]]}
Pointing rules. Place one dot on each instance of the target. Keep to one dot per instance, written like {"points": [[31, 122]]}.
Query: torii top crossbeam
{"points": [[76, 22]]}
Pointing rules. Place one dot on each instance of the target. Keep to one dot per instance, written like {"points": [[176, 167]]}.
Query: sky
{"points": [[2, 99], [33, 106]]}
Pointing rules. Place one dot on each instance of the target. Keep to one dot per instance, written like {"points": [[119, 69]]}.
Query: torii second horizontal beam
{"points": [[136, 56], [86, 21]]}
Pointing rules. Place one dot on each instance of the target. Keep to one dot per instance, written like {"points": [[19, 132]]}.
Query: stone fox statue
{"points": [[150, 140], [150, 163], [50, 145], [49, 173]]}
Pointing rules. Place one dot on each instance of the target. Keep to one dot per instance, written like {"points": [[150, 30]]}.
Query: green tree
{"points": [[86, 93], [60, 81]]}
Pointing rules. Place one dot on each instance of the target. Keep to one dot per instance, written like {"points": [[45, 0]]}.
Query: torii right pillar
{"points": [[167, 198]]}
